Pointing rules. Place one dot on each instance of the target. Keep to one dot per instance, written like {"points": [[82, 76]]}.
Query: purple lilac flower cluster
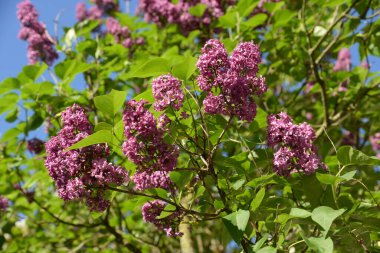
{"points": [[122, 33], [41, 45], [162, 12], [348, 138], [152, 210], [81, 174], [295, 151], [96, 12], [375, 143], [145, 146], [343, 63], [35, 145], [4, 204], [231, 82], [167, 92]]}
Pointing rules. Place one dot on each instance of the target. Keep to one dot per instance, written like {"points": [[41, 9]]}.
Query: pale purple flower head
{"points": [[40, 44], [163, 122], [145, 146], [80, 174], [35, 145], [152, 210], [138, 120], [167, 92], [343, 63], [4, 204], [113, 27], [235, 78], [348, 138], [140, 41], [365, 64], [128, 43], [81, 12], [27, 13], [212, 63], [245, 59], [106, 6], [294, 146], [95, 13], [375, 143], [163, 12], [106, 173], [147, 179]]}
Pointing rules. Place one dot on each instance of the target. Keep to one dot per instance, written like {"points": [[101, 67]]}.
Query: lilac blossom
{"points": [[81, 12], [145, 146], [343, 63], [164, 12], [167, 93], [114, 28], [81, 174], [295, 151], [233, 78], [106, 6], [152, 210], [375, 143], [35, 145], [365, 64], [4, 204], [348, 138], [40, 44]]}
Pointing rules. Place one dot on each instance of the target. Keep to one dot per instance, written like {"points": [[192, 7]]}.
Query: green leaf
{"points": [[325, 216], [256, 202], [350, 156], [228, 20], [283, 17], [110, 104], [349, 175], [218, 204], [201, 189], [260, 243], [152, 67], [146, 95], [245, 7], [8, 102], [70, 68], [328, 178], [256, 20], [168, 210], [102, 126], [198, 10], [9, 84], [181, 178], [102, 136], [34, 71], [236, 223], [186, 68], [13, 115], [299, 213], [320, 245], [267, 249]]}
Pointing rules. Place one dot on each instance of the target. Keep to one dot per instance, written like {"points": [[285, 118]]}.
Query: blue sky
{"points": [[13, 51]]}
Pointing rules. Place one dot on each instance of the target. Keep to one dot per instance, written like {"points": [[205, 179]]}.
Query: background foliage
{"points": [[242, 204]]}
